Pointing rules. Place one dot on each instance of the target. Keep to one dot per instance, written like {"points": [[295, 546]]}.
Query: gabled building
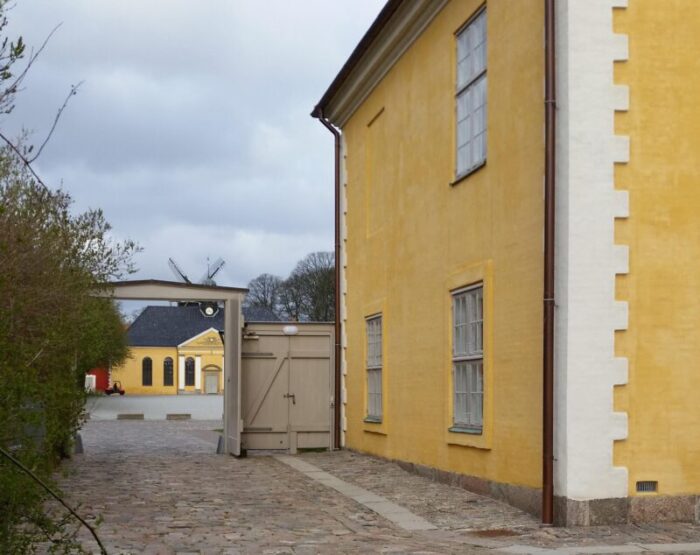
{"points": [[518, 236], [178, 349]]}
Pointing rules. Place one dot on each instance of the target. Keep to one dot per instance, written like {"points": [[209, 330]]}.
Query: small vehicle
{"points": [[116, 388]]}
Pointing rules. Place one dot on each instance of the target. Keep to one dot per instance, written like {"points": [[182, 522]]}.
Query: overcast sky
{"points": [[192, 129]]}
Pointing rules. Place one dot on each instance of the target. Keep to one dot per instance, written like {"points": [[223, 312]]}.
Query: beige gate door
{"points": [[287, 386]]}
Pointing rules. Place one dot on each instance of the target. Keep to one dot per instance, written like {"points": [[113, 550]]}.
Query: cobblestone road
{"points": [[159, 488]]}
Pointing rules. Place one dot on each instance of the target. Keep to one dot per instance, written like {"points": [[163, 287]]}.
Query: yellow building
{"points": [[178, 350], [442, 216]]}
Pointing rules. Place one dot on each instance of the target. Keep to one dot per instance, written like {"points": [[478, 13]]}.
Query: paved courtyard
{"points": [[159, 488]]}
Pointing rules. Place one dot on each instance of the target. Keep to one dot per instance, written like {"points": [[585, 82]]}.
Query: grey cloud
{"points": [[192, 128]]}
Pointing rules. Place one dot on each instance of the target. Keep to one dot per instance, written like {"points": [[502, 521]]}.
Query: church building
{"points": [[178, 350]]}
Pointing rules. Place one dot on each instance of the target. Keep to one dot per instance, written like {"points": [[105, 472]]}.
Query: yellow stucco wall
{"points": [[412, 238], [129, 373], [663, 231], [207, 346]]}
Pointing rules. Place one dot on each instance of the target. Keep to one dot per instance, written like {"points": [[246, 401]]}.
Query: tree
{"points": [[264, 291], [308, 294], [52, 329], [293, 300]]}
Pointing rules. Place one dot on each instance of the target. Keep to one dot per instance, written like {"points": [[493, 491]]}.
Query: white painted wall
{"points": [[181, 372], [198, 373], [587, 314]]}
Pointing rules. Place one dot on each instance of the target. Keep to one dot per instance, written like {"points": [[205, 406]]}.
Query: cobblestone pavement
{"points": [[160, 489]]}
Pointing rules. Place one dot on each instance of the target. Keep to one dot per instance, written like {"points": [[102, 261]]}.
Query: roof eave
{"points": [[394, 30], [374, 30]]}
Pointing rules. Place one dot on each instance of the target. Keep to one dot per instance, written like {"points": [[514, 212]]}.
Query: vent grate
{"points": [[647, 486]]}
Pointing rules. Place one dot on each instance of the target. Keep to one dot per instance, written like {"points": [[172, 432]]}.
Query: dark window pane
{"points": [[147, 371], [168, 371], [189, 371]]}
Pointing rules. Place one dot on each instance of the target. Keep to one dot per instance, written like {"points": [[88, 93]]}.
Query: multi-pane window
{"points": [[468, 357], [147, 371], [471, 95], [168, 371], [374, 368], [189, 371]]}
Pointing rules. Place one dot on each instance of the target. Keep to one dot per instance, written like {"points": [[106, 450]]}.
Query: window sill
{"points": [[466, 430], [374, 425], [473, 438], [464, 176]]}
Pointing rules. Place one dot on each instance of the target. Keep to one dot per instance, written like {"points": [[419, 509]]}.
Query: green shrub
{"points": [[52, 330]]}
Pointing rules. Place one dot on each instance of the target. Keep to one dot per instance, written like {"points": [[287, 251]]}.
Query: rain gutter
{"points": [[337, 400], [549, 303]]}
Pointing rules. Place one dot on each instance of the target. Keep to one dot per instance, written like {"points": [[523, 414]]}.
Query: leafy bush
{"points": [[52, 330]]}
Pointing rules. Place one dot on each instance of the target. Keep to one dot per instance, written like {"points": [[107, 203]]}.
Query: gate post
{"points": [[233, 323]]}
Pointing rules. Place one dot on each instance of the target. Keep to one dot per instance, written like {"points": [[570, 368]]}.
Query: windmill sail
{"points": [[177, 271]]}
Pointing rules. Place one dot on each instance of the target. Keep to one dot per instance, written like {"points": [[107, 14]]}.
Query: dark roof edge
{"points": [[289, 322], [174, 284], [372, 33]]}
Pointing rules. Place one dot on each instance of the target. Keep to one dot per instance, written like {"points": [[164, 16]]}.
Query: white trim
{"points": [[343, 288], [181, 372], [198, 372], [198, 336], [397, 36], [587, 258], [460, 290]]}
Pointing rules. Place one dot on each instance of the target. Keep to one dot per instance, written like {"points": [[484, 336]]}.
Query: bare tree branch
{"points": [[23, 159], [12, 89], [73, 92]]}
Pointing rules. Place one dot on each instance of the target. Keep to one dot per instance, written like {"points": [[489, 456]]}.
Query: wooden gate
{"points": [[287, 386]]}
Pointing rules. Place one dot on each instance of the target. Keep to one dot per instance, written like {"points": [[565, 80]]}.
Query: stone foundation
{"points": [[569, 512], [521, 497], [627, 510]]}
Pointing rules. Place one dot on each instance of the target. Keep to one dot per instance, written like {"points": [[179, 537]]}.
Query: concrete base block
{"points": [[178, 416], [130, 416], [78, 444]]}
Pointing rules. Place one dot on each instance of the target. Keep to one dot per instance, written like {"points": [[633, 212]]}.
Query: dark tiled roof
{"points": [[168, 326]]}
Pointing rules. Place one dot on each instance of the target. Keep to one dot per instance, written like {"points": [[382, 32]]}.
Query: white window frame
{"points": [[468, 359], [471, 95], [374, 365]]}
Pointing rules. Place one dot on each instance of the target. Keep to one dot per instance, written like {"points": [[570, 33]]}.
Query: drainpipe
{"points": [[549, 220], [318, 113]]}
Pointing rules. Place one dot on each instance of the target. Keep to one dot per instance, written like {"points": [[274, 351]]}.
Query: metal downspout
{"points": [[549, 221], [318, 113]]}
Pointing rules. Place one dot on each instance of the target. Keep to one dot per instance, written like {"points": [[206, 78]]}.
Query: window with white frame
{"points": [[468, 358], [471, 95], [374, 368]]}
